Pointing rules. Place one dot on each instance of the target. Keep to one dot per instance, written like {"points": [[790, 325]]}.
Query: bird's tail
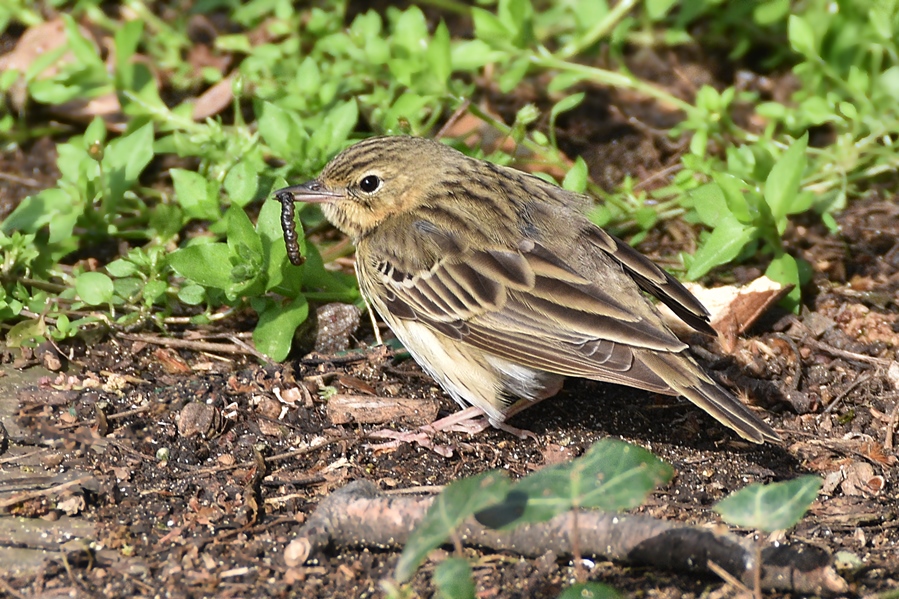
{"points": [[686, 378]]}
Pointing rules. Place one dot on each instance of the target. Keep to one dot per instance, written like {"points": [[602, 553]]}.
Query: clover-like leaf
{"points": [[771, 507], [207, 264], [94, 288], [453, 579], [458, 501], [782, 184], [725, 243], [612, 475], [273, 334]]}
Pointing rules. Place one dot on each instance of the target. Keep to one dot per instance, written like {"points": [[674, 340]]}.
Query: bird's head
{"points": [[376, 179]]}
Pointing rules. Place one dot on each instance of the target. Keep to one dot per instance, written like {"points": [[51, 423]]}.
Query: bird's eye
{"points": [[370, 183]]}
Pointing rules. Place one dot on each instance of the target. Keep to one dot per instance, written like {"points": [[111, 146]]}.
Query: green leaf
{"points": [[471, 55], [565, 104], [739, 203], [273, 334], [241, 183], [153, 291], [242, 237], [817, 111], [124, 159], [95, 134], [127, 38], [801, 36], [192, 295], [195, 194], [281, 131], [410, 32], [208, 264], [332, 135], [83, 49], [590, 590], [94, 288], [657, 9], [37, 211], [128, 288], [782, 184], [453, 579], [280, 273], [513, 74], [576, 179], [777, 506], [122, 268], [130, 154], [316, 276], [710, 204], [26, 332], [889, 82], [771, 12], [488, 28], [63, 325], [458, 501], [784, 269], [611, 475], [728, 238], [437, 57], [518, 18]]}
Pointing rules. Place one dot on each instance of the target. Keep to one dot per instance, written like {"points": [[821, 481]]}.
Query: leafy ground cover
{"points": [[141, 145]]}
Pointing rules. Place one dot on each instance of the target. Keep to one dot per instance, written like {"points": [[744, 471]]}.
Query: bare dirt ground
{"points": [[169, 501]]}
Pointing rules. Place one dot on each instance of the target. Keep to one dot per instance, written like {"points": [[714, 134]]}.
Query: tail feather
{"points": [[686, 378]]}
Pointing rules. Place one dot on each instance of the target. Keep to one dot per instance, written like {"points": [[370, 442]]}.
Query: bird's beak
{"points": [[310, 192]]}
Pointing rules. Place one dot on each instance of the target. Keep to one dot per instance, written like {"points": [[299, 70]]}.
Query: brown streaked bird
{"points": [[499, 286]]}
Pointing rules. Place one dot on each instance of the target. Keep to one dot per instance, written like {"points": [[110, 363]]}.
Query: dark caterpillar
{"points": [[289, 225]]}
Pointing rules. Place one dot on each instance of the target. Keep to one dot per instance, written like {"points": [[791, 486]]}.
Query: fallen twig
{"points": [[359, 514], [29, 495], [202, 346]]}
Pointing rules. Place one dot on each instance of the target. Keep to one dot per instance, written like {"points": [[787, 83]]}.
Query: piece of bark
{"points": [[370, 409], [360, 515]]}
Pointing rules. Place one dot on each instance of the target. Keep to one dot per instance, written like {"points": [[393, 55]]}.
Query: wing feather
{"points": [[655, 281], [529, 307]]}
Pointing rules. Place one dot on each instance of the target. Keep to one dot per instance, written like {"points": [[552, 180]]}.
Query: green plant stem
{"points": [[605, 77], [188, 319], [600, 29], [757, 571], [552, 155], [163, 114], [579, 573], [42, 285]]}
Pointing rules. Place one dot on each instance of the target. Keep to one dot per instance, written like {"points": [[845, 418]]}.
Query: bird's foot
{"points": [[471, 420], [518, 432]]}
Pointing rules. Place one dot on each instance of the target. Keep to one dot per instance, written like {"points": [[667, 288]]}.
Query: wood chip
{"points": [[367, 409]]}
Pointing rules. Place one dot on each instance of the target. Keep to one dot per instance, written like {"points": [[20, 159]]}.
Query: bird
{"points": [[500, 287]]}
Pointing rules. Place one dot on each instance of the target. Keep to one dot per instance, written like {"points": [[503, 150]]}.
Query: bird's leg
{"points": [[471, 420], [371, 313]]}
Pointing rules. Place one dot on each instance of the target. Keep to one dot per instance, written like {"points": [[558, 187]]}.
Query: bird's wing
{"points": [[529, 307], [654, 280]]}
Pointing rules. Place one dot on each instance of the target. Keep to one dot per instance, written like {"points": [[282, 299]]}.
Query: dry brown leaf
{"points": [[215, 99]]}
